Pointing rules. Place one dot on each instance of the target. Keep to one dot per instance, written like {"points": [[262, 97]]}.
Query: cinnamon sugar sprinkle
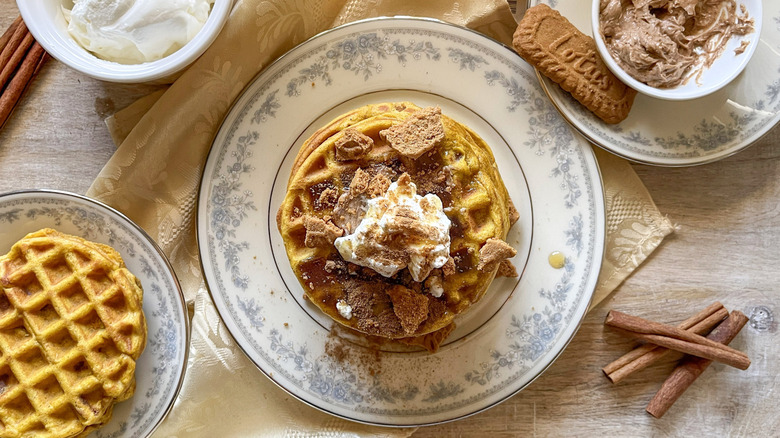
{"points": [[369, 360]]}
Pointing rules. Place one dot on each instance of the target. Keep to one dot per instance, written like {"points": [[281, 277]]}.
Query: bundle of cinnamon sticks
{"points": [[20, 59], [688, 337]]}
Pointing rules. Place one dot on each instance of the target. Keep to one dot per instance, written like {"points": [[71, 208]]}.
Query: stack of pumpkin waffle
{"points": [[354, 159]]}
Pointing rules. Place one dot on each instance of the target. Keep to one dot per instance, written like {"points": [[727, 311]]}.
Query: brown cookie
{"points": [[549, 42]]}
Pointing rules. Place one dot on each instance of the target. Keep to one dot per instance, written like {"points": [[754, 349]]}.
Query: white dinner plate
{"points": [[503, 342], [160, 368], [668, 133]]}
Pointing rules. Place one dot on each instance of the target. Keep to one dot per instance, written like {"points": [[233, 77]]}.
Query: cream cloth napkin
{"points": [[154, 176]]}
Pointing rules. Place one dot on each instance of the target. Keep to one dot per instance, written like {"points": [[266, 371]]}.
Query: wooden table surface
{"points": [[726, 247]]}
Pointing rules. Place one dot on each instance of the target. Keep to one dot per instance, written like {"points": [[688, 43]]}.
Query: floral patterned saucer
{"points": [[698, 131], [160, 369], [506, 340]]}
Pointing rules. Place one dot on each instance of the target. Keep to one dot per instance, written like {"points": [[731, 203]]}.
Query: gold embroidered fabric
{"points": [[155, 173], [635, 227]]}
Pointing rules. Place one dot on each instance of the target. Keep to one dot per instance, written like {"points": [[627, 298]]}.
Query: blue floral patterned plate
{"points": [[160, 368], [668, 133], [502, 343]]}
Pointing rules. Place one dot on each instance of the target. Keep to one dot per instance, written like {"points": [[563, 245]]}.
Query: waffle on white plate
{"points": [[71, 329]]}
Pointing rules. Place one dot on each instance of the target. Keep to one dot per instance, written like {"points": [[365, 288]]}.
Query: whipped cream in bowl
{"points": [[135, 31], [676, 49], [130, 41]]}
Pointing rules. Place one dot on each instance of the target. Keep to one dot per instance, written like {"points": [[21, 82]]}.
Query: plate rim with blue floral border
{"points": [[426, 61]]}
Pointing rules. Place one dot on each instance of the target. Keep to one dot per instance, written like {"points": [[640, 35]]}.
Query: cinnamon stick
{"points": [[676, 339], [16, 58], [9, 32], [13, 43], [690, 368], [646, 354], [11, 95], [641, 350]]}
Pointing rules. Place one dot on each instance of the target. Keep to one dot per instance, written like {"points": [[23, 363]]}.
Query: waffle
{"points": [[460, 170], [71, 329]]}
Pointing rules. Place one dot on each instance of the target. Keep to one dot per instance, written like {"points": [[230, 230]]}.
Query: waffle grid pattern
{"points": [[71, 328]]}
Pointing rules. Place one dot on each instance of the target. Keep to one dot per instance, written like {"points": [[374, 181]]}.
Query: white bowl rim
{"points": [[85, 62], [678, 93]]}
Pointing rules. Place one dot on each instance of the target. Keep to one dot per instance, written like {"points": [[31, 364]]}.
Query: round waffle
{"points": [[460, 170], [71, 329]]}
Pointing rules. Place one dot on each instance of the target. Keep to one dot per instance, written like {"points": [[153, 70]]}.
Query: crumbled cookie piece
{"points": [[385, 324], [352, 145], [434, 180], [378, 185], [506, 269], [335, 267], [320, 232], [437, 307], [493, 251], [348, 211], [328, 198], [406, 222], [372, 307], [410, 307], [359, 183], [514, 215], [418, 134], [449, 267]]}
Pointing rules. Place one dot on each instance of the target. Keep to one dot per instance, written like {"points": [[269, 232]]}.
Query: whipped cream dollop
{"points": [[135, 31], [398, 230], [344, 309]]}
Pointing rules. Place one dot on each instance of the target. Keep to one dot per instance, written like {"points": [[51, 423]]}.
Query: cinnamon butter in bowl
{"points": [[676, 49], [127, 41]]}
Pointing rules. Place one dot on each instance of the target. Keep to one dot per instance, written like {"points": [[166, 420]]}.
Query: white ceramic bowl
{"points": [[46, 22], [727, 67]]}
